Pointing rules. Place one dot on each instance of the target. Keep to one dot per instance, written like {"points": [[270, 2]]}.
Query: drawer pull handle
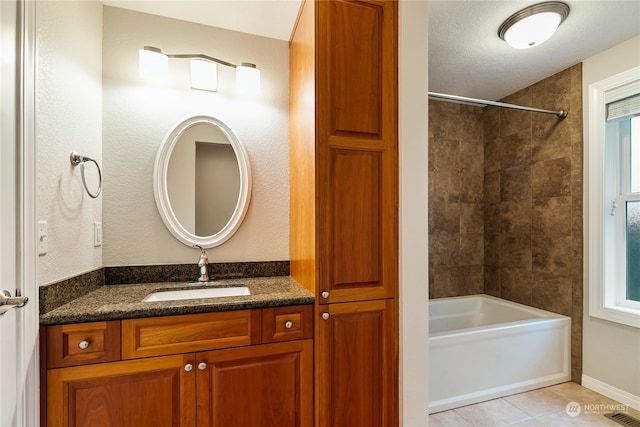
{"points": [[83, 345], [325, 316], [188, 367], [325, 294], [288, 324], [202, 366]]}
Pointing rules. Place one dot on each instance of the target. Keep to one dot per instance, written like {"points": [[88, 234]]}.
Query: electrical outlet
{"points": [[43, 239], [97, 234]]}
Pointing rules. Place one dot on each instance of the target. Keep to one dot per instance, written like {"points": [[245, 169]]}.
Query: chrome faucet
{"points": [[203, 261]]}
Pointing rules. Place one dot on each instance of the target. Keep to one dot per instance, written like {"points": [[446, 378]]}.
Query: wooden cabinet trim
{"points": [[302, 157]]}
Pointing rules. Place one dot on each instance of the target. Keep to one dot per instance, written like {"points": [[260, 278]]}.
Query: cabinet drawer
{"points": [[83, 343], [158, 336], [287, 323]]}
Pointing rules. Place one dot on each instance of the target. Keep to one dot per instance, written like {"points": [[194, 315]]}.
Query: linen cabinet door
{"points": [[356, 378], [154, 392], [262, 386], [357, 175]]}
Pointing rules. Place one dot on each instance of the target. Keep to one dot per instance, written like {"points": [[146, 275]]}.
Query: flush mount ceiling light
{"points": [[533, 25], [154, 66]]}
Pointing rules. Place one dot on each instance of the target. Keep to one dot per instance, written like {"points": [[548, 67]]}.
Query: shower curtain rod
{"points": [[560, 113]]}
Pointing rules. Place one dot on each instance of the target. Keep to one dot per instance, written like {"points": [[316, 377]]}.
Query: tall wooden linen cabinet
{"points": [[344, 203]]}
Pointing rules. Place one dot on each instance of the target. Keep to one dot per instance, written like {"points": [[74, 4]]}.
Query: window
{"points": [[632, 220], [614, 198], [622, 206]]}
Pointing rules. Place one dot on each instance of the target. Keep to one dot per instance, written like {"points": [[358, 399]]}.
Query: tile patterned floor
{"points": [[537, 408]]}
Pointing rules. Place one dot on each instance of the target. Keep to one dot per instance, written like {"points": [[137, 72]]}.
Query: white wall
{"points": [[611, 351], [69, 117], [138, 115], [414, 233]]}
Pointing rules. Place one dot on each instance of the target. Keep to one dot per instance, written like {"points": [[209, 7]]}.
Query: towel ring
{"points": [[77, 159]]}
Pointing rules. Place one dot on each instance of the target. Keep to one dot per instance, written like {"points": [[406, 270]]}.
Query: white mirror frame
{"points": [[161, 193]]}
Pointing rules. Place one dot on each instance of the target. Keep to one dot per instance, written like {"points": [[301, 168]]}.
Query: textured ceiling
{"points": [[466, 56]]}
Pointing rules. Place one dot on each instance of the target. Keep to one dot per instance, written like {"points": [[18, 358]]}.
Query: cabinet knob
{"points": [[202, 366], [288, 324], [188, 367], [325, 316], [325, 294], [83, 345]]}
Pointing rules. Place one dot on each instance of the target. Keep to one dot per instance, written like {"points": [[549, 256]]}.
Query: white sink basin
{"points": [[197, 293]]}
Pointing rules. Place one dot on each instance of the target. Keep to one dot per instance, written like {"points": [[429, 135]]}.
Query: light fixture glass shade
{"points": [[533, 25], [532, 30], [204, 75], [247, 79], [154, 65]]}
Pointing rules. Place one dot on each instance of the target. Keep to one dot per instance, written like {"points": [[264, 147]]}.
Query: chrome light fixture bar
{"points": [[533, 25], [154, 64], [190, 56]]}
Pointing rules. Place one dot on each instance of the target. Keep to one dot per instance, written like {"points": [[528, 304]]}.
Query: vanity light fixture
{"points": [[204, 75], [247, 79], [154, 65], [533, 25]]}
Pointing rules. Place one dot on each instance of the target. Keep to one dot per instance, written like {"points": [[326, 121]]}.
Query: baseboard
{"points": [[611, 392]]}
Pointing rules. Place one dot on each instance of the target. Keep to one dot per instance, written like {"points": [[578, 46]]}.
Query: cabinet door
{"points": [[152, 392], [357, 150], [263, 386], [356, 378]]}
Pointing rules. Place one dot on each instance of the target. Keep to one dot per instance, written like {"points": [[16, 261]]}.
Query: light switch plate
{"points": [[43, 239], [97, 234]]}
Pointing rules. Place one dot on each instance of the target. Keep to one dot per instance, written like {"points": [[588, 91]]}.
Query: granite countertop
{"points": [[116, 302]]}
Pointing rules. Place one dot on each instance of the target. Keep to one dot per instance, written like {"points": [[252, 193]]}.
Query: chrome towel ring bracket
{"points": [[77, 159]]}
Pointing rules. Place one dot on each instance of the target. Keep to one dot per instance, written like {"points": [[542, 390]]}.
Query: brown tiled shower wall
{"points": [[505, 201]]}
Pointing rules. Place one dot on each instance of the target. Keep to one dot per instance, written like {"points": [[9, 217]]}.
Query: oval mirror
{"points": [[202, 181]]}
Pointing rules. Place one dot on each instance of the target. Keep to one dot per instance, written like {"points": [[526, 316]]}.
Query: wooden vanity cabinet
{"points": [[217, 378], [344, 202]]}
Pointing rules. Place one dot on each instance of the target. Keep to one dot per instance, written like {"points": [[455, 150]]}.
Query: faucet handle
{"points": [[204, 258], [202, 263]]}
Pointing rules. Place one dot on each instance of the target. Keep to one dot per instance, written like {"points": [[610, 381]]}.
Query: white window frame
{"points": [[605, 298]]}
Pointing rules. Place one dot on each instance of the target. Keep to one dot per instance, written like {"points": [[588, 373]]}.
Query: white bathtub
{"points": [[482, 347]]}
